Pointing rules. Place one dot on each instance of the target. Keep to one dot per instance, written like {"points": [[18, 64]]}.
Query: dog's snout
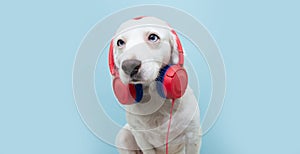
{"points": [[131, 66]]}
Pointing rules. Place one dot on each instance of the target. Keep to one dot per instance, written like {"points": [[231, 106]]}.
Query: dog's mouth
{"points": [[137, 81]]}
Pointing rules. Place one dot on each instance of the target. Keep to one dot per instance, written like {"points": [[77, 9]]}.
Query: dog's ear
{"points": [[174, 49]]}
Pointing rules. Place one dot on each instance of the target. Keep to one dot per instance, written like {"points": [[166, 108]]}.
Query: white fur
{"points": [[148, 120]]}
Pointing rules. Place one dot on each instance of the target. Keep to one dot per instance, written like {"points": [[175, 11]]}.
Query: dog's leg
{"points": [[126, 143], [143, 144], [192, 148], [192, 145], [150, 151]]}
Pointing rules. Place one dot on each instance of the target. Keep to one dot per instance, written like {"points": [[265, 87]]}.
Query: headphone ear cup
{"points": [[122, 92], [175, 82], [127, 93]]}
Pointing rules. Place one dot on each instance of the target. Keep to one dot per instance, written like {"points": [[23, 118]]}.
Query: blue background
{"points": [[259, 41]]}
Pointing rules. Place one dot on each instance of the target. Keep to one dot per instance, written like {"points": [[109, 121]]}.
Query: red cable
{"points": [[167, 138]]}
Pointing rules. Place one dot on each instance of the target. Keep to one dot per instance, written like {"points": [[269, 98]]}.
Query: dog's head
{"points": [[141, 47]]}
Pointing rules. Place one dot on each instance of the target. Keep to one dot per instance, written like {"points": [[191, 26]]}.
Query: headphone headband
{"points": [[111, 62], [179, 48]]}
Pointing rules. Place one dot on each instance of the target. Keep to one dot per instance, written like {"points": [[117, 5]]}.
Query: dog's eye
{"points": [[120, 43], [153, 38]]}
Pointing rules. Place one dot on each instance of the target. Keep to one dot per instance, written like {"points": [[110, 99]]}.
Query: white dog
{"points": [[143, 46]]}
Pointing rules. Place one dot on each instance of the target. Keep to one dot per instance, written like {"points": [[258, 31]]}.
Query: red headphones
{"points": [[171, 81]]}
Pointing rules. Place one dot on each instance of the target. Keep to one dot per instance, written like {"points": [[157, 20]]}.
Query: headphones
{"points": [[171, 82]]}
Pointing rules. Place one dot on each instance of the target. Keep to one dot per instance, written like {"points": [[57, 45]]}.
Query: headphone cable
{"points": [[168, 132]]}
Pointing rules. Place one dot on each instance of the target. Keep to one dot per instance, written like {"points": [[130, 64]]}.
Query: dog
{"points": [[141, 48]]}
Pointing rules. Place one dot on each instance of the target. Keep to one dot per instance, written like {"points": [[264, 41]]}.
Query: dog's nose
{"points": [[131, 66]]}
